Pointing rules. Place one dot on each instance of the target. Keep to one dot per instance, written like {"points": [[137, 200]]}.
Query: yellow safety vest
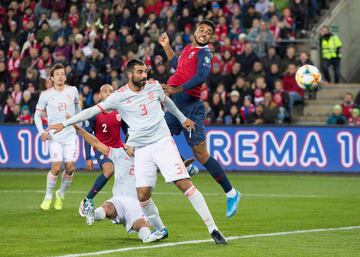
{"points": [[329, 47]]}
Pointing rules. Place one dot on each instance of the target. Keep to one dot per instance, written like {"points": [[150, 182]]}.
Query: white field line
{"points": [[205, 194], [165, 245]]}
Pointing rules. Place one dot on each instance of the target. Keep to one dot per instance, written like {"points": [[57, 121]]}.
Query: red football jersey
{"points": [[189, 61], [107, 129]]}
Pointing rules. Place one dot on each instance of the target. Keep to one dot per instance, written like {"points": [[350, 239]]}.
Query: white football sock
{"points": [[65, 183], [100, 213], [198, 202], [152, 214], [231, 193], [50, 185], [144, 232]]}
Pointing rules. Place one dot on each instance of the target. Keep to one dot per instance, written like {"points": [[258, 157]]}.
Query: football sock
{"points": [[100, 213], [217, 172], [144, 232], [65, 183], [198, 202], [50, 185], [231, 193], [99, 183], [152, 214]]}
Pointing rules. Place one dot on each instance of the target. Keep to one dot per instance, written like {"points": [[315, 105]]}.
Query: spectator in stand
{"points": [[300, 14], [330, 46], [221, 29], [95, 80], [63, 48], [257, 117], [256, 72], [160, 74], [86, 97], [243, 87], [10, 111], [45, 30], [347, 105], [233, 117], [247, 109], [25, 115], [64, 30], [230, 79], [217, 107], [29, 101], [247, 59], [354, 120], [233, 100], [261, 38], [296, 93], [228, 63], [270, 109], [281, 99], [288, 23], [259, 90], [249, 17], [337, 117], [215, 77], [220, 89], [262, 6], [272, 76], [54, 21], [270, 58], [73, 17], [16, 94], [272, 11], [290, 58]]}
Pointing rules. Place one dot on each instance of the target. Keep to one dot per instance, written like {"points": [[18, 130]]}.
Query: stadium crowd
{"points": [[252, 80]]}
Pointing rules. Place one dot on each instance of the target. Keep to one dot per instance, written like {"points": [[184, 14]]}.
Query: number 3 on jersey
{"points": [[143, 109]]}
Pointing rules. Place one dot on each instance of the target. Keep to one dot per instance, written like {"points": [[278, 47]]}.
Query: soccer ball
{"points": [[308, 77]]}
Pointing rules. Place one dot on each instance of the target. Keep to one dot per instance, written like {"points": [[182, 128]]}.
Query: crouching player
{"points": [[124, 207]]}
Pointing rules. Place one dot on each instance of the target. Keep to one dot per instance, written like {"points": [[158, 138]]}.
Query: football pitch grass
{"points": [[306, 207]]}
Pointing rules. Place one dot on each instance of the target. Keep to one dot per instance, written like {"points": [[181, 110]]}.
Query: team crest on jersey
{"points": [[151, 95], [129, 101], [207, 59], [118, 117], [69, 97], [191, 55]]}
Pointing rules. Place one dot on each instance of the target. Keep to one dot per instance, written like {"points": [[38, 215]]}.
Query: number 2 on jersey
{"points": [[104, 126], [143, 109]]}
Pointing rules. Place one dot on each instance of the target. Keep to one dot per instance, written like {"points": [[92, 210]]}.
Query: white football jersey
{"points": [[57, 104], [142, 111], [124, 183]]}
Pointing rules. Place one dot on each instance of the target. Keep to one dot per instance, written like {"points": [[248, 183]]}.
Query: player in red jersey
{"points": [[106, 128], [192, 70]]}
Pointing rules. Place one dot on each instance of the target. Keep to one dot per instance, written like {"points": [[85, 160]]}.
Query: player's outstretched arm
{"points": [[93, 141], [81, 116], [172, 108], [170, 54]]}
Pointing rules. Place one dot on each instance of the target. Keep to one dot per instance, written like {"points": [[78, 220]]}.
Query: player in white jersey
{"points": [[139, 104], [58, 102], [124, 207]]}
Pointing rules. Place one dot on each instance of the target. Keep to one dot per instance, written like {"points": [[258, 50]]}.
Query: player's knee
{"points": [[56, 168], [200, 152], [183, 184], [139, 224], [143, 194], [69, 168], [110, 210], [108, 169]]}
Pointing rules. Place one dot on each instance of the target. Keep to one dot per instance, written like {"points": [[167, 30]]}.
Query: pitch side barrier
{"points": [[238, 148]]}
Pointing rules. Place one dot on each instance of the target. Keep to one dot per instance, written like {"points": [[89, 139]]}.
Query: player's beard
{"points": [[138, 83]]}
